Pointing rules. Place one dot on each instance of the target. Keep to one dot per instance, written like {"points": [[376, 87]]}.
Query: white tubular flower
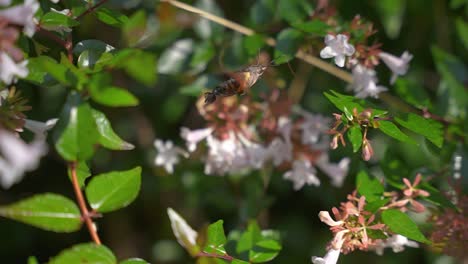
{"points": [[22, 15], [192, 137], [9, 70], [365, 82], [313, 127], [280, 151], [18, 157], [330, 258], [398, 66], [396, 242], [336, 171], [5, 2], [186, 236], [255, 153], [168, 154], [302, 173], [40, 128], [327, 219], [337, 47]]}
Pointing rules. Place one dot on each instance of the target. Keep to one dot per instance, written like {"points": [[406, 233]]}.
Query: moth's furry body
{"points": [[238, 83]]}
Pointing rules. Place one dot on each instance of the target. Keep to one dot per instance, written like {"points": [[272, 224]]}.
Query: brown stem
{"points": [[52, 36], [85, 214], [213, 255], [91, 9]]}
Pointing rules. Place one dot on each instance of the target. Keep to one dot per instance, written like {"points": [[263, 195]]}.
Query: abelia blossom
{"points": [[313, 127], [18, 157], [302, 173], [193, 137], [168, 154], [280, 151], [336, 171], [10, 70], [365, 82], [396, 242], [40, 128], [337, 47], [22, 15], [398, 65]]}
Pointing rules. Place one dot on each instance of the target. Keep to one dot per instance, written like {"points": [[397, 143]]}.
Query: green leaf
{"points": [[392, 130], [376, 205], [372, 189], [346, 103], [32, 260], [86, 253], [317, 27], [135, 28], [93, 54], [53, 19], [238, 261], [138, 64], [76, 132], [105, 94], [287, 44], [37, 73], [355, 136], [107, 137], [203, 27], [216, 238], [430, 129], [436, 197], [113, 190], [394, 169], [248, 239], [47, 65], [413, 93], [48, 211], [400, 223], [111, 17], [263, 12], [173, 59], [253, 44], [82, 172], [263, 251], [202, 55], [294, 11], [134, 261], [462, 30]]}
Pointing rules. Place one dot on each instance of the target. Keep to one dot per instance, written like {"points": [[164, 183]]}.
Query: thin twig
{"points": [[213, 255], [85, 214], [325, 66], [91, 9]]}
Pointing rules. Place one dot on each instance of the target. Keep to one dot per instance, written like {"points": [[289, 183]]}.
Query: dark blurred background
{"points": [[143, 229]]}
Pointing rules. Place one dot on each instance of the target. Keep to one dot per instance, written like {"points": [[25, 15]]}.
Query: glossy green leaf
{"points": [[355, 136], [369, 187], [413, 93], [59, 72], [287, 44], [392, 130], [86, 253], [134, 29], [316, 27], [76, 132], [78, 77], [134, 261], [111, 17], [349, 103], [37, 73], [400, 223], [263, 251], [138, 64], [93, 53], [109, 95], [107, 137], [174, 58], [54, 19], [294, 10], [254, 43], [203, 27], [430, 129], [82, 172], [113, 190], [462, 30], [47, 211], [216, 238], [249, 238]]}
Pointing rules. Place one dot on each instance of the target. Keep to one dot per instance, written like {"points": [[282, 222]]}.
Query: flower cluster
{"points": [[362, 57], [354, 223], [12, 63], [238, 140]]}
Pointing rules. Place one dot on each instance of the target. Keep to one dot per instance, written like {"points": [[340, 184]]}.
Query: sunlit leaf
{"points": [[111, 17], [372, 189], [392, 130], [82, 172], [430, 129], [264, 251], [107, 137], [53, 19], [48, 211], [400, 223], [88, 253], [113, 190], [104, 93], [216, 238]]}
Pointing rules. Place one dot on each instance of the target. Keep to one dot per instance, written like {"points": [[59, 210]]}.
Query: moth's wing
{"points": [[242, 78]]}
